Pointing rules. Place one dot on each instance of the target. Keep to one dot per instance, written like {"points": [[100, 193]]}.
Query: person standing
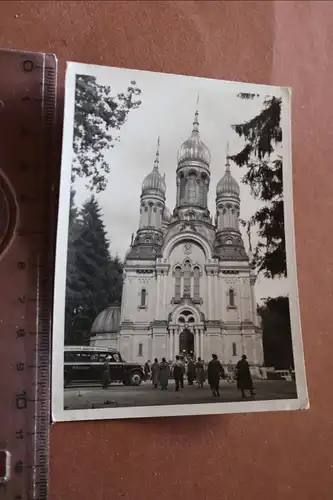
{"points": [[146, 369], [106, 377], [178, 373], [243, 375], [200, 372], [190, 371], [164, 374], [215, 372], [230, 372], [155, 370]]}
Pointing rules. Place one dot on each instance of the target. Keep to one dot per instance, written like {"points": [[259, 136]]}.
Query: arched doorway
{"points": [[186, 341]]}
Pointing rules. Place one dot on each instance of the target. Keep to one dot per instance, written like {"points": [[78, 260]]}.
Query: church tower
{"points": [[229, 241], [152, 198], [149, 236], [193, 176]]}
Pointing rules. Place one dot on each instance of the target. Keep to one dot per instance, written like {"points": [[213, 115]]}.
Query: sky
{"points": [[167, 111]]}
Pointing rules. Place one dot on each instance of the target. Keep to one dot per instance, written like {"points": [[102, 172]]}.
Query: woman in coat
{"points": [[164, 374], [106, 378], [200, 372], [244, 379], [155, 370]]}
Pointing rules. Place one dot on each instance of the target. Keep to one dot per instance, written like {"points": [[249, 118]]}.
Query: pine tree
{"points": [[259, 155], [94, 278], [73, 296]]}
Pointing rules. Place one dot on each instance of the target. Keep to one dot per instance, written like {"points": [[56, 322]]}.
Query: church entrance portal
{"points": [[186, 341]]}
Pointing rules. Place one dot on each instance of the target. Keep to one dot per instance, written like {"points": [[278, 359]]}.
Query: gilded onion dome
{"points": [[155, 181], [227, 185], [193, 149]]}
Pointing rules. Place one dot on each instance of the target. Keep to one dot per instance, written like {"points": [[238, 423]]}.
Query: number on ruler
{"points": [[20, 367], [28, 66], [19, 434], [18, 467], [21, 400], [20, 332]]}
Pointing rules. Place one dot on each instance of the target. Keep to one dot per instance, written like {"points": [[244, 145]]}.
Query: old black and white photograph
{"points": [[175, 282]]}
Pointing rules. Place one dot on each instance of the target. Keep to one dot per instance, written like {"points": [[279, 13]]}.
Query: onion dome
{"points": [[227, 185], [193, 149], [166, 215], [108, 321], [155, 181]]}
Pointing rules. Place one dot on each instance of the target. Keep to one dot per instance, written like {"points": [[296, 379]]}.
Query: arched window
{"points": [[140, 350], [150, 214], [187, 278], [231, 298], [196, 283], [234, 349], [181, 188], [143, 297], [177, 282], [191, 189]]}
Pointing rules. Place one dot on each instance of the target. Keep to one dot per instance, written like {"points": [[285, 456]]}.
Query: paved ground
{"points": [[144, 395]]}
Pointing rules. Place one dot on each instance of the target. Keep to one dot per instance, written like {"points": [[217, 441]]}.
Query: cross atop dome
{"points": [[193, 149], [157, 157]]}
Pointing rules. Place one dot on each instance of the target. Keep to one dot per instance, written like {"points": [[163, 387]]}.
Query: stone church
{"points": [[188, 285]]}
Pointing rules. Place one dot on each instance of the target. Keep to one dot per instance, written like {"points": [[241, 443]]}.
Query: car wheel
{"points": [[135, 378]]}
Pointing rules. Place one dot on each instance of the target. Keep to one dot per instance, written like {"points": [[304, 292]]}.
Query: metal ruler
{"points": [[27, 179]]}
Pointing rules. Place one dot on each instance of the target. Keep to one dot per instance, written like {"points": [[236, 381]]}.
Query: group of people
{"points": [[195, 370]]}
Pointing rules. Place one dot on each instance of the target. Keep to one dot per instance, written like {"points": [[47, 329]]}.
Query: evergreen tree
{"points": [[73, 297], [97, 115], [94, 278], [277, 341], [262, 135]]}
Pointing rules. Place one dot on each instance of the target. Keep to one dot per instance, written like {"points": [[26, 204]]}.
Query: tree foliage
{"points": [[277, 339], [262, 134], [94, 279], [97, 116]]}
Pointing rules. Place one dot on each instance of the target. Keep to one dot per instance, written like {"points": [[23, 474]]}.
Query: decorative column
{"points": [[158, 286], [209, 296], [253, 300], [196, 339], [176, 342], [202, 339], [164, 292], [212, 298], [216, 296], [171, 344]]}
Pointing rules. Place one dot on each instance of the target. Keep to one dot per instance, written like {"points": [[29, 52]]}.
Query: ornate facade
{"points": [[188, 285]]}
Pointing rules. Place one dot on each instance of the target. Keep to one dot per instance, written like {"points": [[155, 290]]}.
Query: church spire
{"points": [[157, 157], [227, 163], [196, 118]]}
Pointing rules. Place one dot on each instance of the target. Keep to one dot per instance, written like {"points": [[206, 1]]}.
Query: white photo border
{"points": [[58, 411]]}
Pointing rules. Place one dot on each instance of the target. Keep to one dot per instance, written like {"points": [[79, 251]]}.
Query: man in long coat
{"points": [[178, 369], [200, 372], [215, 372], [244, 379], [164, 371], [155, 372], [190, 371]]}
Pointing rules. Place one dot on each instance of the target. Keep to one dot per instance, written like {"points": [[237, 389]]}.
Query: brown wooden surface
{"points": [[276, 456]]}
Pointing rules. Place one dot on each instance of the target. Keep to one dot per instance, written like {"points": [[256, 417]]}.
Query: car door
{"points": [[116, 368]]}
